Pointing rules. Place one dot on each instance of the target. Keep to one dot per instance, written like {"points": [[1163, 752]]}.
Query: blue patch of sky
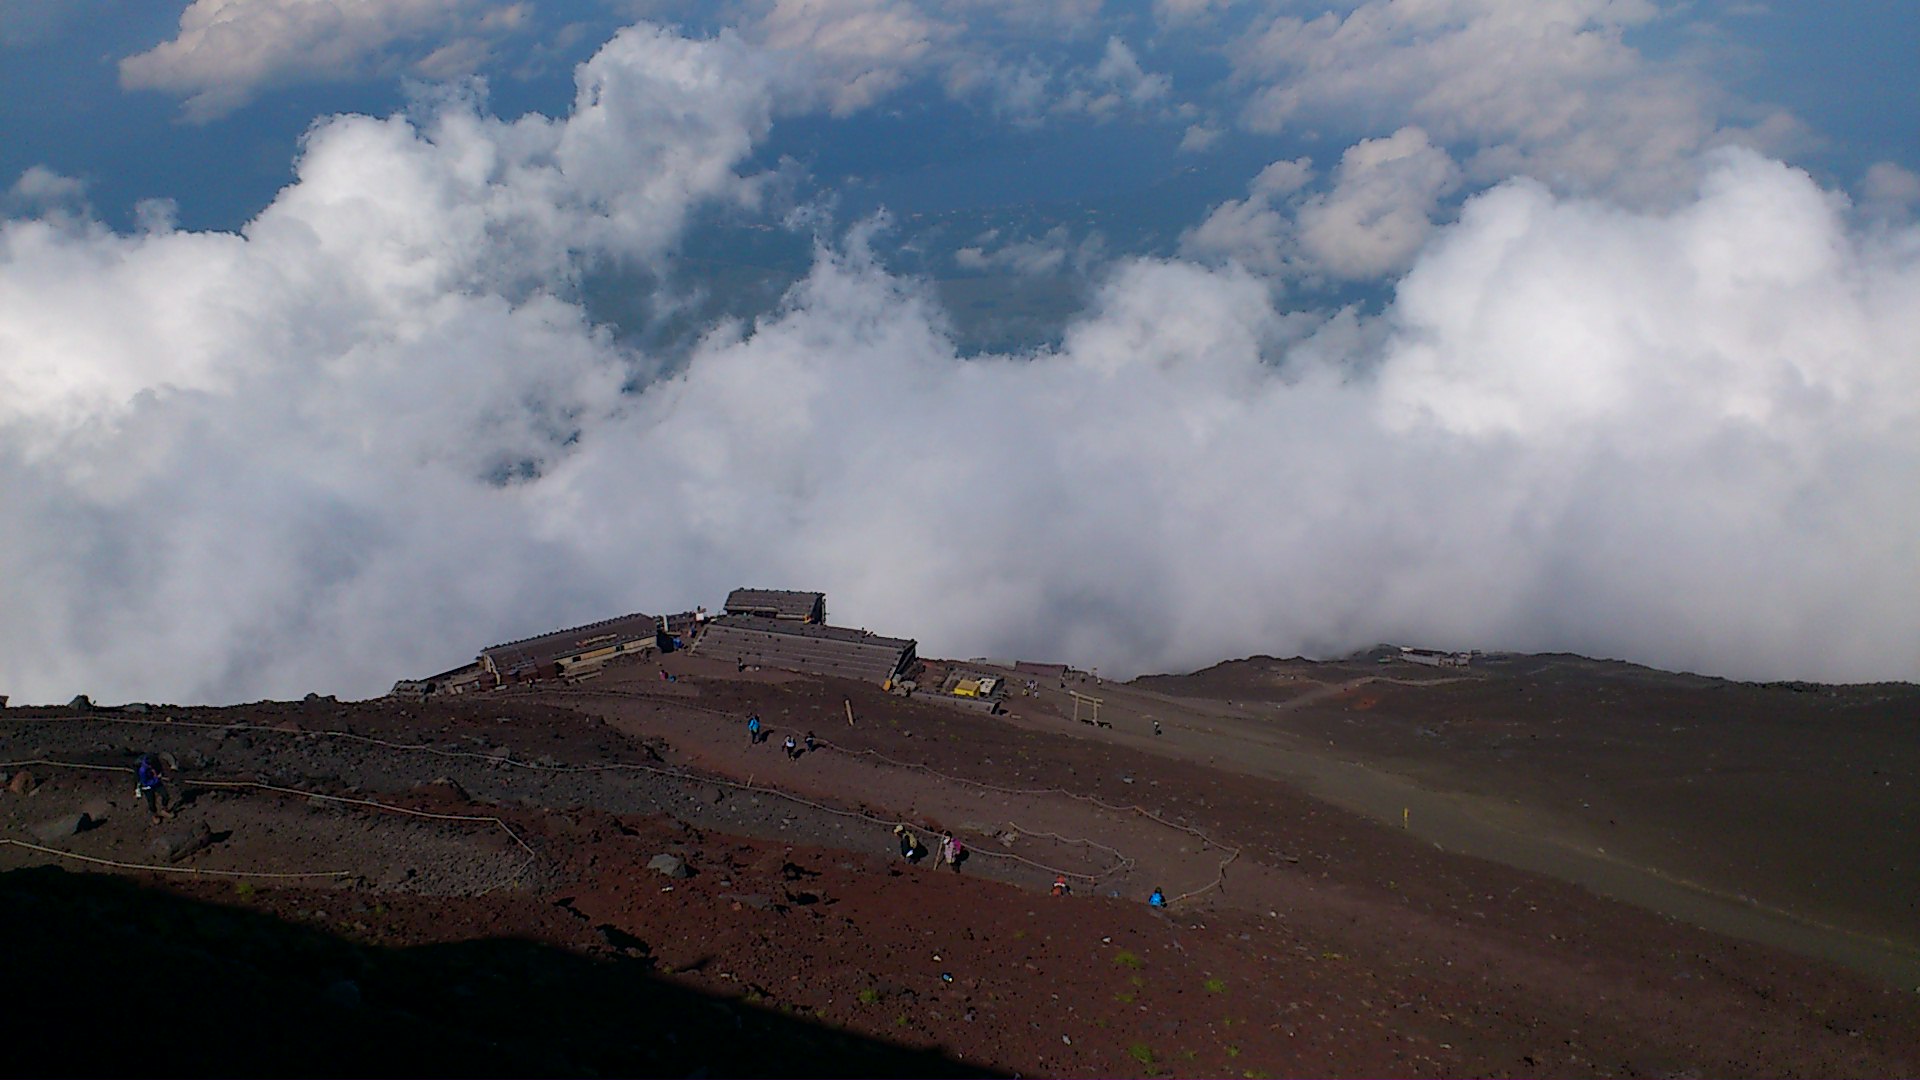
{"points": [[62, 107], [1845, 70], [1851, 71]]}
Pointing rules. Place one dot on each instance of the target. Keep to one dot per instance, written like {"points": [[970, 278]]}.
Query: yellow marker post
{"points": [[1405, 813]]}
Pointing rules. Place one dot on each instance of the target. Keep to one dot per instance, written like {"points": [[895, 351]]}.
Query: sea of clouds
{"points": [[375, 429]]}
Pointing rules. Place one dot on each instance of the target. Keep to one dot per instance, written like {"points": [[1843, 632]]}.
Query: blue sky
{"points": [[1845, 77], [334, 333]]}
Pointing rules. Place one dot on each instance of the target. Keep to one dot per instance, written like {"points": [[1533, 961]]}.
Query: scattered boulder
{"points": [[671, 865], [178, 845], [137, 708], [453, 787], [80, 703], [22, 783], [62, 827]]}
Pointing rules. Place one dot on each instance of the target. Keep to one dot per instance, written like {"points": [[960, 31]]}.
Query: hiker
{"points": [[1157, 899], [810, 746], [952, 852], [1156, 727], [793, 749], [910, 848], [150, 787], [1060, 886], [753, 729]]}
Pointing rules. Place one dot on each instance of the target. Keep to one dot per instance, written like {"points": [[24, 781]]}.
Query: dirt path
{"points": [[1243, 737], [1023, 835]]}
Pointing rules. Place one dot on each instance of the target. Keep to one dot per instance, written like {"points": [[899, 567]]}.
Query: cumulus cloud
{"points": [[1889, 190], [1257, 231], [1199, 138], [857, 51], [1381, 206], [1116, 83], [1547, 88], [42, 190], [294, 430], [227, 51], [1368, 224], [1049, 255], [370, 433]]}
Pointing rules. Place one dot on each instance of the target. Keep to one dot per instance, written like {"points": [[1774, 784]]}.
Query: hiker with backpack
{"points": [[952, 852], [150, 787], [753, 730], [910, 848]]}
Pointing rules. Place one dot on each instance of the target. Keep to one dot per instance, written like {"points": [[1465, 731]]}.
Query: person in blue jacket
{"points": [[151, 788], [753, 728], [1158, 899]]}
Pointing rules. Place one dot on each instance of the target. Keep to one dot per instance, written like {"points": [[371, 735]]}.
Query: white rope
{"points": [[173, 869]]}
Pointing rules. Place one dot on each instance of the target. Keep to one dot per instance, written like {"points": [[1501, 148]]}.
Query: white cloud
{"points": [[1049, 255], [1199, 138], [367, 434], [1176, 12], [856, 51], [1370, 223], [227, 51], [40, 189], [310, 426], [1381, 206], [1257, 231], [1546, 88], [1889, 190]]}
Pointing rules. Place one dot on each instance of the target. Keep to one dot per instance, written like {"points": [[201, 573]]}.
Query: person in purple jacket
{"points": [[151, 787]]}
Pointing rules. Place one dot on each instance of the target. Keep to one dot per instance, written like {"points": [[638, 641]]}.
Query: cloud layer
{"points": [[373, 431], [1549, 89], [227, 51]]}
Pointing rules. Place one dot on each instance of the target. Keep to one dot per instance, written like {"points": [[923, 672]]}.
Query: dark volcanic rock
{"points": [[61, 827], [671, 865], [176, 846]]}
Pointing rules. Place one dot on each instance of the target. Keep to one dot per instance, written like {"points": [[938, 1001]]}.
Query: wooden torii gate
{"points": [[1093, 709]]}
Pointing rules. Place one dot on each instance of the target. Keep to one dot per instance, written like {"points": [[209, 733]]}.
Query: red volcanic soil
{"points": [[488, 904]]}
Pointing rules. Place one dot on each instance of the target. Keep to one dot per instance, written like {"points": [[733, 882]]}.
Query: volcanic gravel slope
{"points": [[487, 905]]}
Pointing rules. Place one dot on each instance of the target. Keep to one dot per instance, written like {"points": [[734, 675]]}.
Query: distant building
{"points": [[792, 645], [460, 680], [784, 604], [1434, 657], [570, 651]]}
